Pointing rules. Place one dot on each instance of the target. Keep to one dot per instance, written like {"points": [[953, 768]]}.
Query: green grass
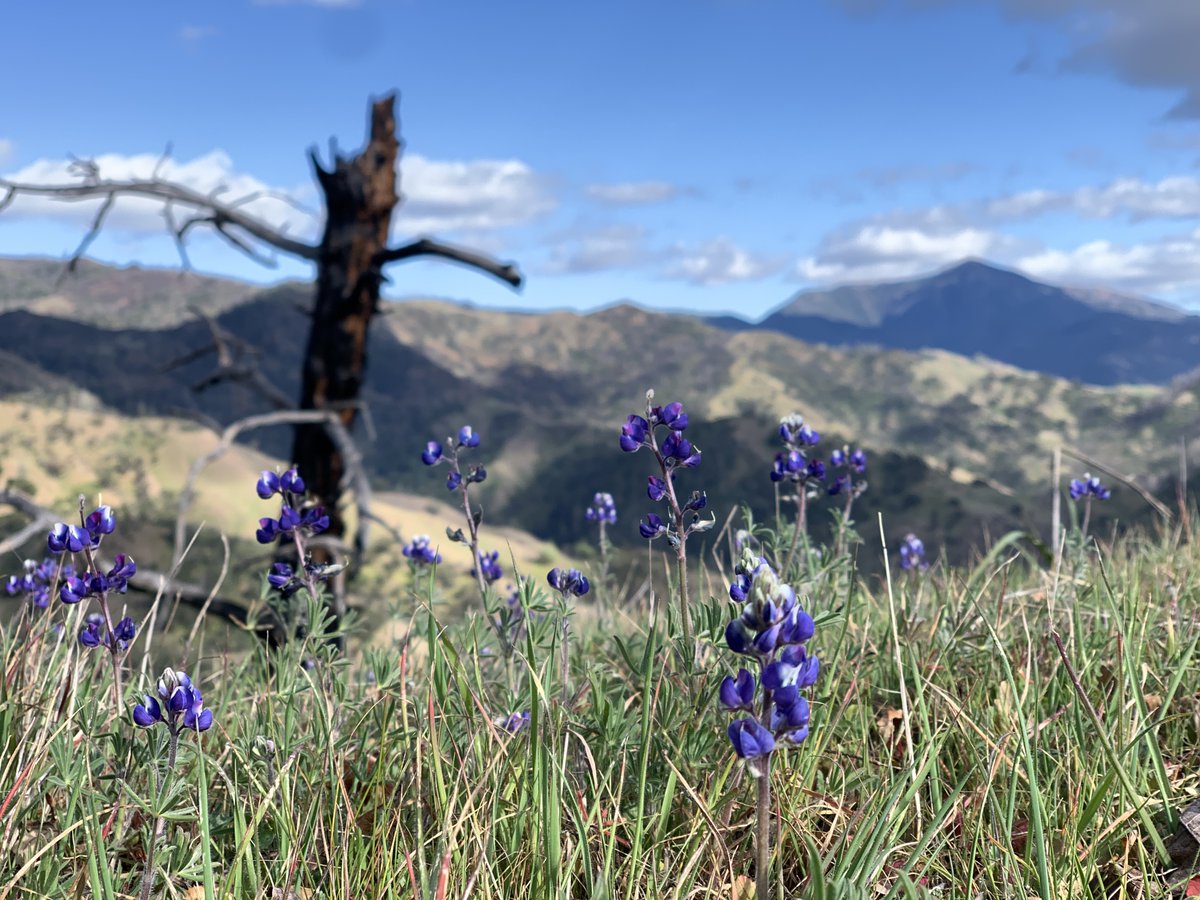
{"points": [[954, 752]]}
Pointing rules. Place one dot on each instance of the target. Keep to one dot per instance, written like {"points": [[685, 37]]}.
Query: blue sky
{"points": [[708, 154]]}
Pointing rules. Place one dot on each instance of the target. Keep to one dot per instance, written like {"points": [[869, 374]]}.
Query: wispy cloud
{"points": [[852, 188], [635, 193], [720, 261], [7, 150]]}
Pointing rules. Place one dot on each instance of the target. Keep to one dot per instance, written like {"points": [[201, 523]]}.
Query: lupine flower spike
{"points": [[603, 512], [844, 467], [91, 582], [675, 452], [1088, 489], [794, 466], [296, 523], [568, 583], [772, 631], [486, 569], [421, 552], [912, 553]]}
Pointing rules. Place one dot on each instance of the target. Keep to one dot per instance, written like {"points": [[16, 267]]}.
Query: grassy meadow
{"points": [[1024, 726]]}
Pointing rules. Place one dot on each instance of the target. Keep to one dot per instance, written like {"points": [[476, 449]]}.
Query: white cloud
{"points": [[7, 150], [1162, 267], [633, 193], [1175, 197], [720, 261], [212, 173], [477, 195], [877, 252]]}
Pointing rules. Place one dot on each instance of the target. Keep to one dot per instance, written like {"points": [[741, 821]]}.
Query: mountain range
{"points": [[959, 447], [1089, 335]]}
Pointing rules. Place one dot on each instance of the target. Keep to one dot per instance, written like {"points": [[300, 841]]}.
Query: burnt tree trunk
{"points": [[360, 197]]}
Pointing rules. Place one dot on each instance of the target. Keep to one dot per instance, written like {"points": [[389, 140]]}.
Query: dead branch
{"points": [[506, 272], [235, 363], [91, 235], [220, 215]]}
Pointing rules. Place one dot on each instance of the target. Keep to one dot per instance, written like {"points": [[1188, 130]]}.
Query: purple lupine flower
{"points": [[603, 509], [738, 694], [652, 527], [634, 433], [1089, 486], [268, 485], [912, 553], [750, 739], [568, 581], [100, 522], [793, 464], [95, 633], [420, 551], [308, 520], [772, 629], [656, 488], [181, 709], [291, 482], [513, 723], [432, 453], [467, 437], [65, 538], [92, 632], [37, 580], [678, 451], [489, 566]]}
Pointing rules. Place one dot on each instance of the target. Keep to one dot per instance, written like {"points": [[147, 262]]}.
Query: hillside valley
{"points": [[960, 446]]}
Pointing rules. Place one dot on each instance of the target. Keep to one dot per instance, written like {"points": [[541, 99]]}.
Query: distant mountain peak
{"points": [[975, 307]]}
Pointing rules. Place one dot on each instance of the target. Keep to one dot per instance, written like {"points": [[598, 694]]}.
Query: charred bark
{"points": [[360, 198]]}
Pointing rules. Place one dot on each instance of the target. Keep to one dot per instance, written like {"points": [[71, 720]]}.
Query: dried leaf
{"points": [[742, 888], [195, 892], [1153, 703], [890, 724]]}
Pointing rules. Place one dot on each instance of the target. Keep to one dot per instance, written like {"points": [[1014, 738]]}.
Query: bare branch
{"points": [[234, 364], [166, 154], [273, 195], [8, 198], [506, 272], [177, 236], [91, 235], [223, 230], [222, 215]]}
